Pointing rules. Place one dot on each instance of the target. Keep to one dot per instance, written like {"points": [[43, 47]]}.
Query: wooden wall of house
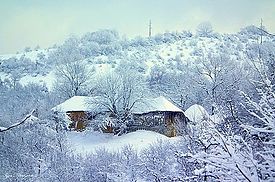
{"points": [[79, 119], [169, 119], [162, 122]]}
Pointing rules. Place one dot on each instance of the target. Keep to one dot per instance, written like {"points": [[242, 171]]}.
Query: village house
{"points": [[77, 109], [160, 115], [155, 114]]}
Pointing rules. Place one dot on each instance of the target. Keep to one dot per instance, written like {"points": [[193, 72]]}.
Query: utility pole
{"points": [[261, 39], [261, 30], [150, 28]]}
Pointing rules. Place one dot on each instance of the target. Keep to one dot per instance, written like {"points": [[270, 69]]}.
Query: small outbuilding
{"points": [[78, 109], [160, 115]]}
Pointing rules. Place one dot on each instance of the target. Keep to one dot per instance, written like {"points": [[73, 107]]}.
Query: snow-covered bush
{"points": [[264, 112], [252, 32], [158, 162]]}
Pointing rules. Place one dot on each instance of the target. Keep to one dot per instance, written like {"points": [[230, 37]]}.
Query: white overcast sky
{"points": [[46, 22]]}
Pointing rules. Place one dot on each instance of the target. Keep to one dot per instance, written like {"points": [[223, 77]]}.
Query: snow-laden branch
{"points": [[3, 129]]}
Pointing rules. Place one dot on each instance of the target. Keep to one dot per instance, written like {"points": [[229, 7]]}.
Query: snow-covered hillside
{"points": [[28, 67], [171, 51], [32, 55]]}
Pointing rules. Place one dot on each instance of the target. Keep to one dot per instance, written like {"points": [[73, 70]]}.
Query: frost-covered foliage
{"points": [[19, 66], [72, 79], [252, 32], [119, 93], [204, 29], [35, 151], [17, 100], [263, 111], [230, 75], [104, 42]]}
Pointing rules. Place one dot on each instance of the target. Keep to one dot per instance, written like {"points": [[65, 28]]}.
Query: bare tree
{"points": [[71, 71], [220, 156], [220, 79], [119, 93], [72, 78], [204, 29]]}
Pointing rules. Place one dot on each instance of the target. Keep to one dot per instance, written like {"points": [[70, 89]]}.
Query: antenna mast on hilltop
{"points": [[261, 30], [150, 28]]}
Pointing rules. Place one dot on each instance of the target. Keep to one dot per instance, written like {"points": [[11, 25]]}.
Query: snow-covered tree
{"points": [[264, 112], [119, 93], [30, 151], [221, 79], [204, 29], [217, 157], [158, 162], [72, 78]]}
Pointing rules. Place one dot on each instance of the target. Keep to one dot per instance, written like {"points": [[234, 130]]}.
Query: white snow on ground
{"points": [[89, 141], [196, 113], [3, 76], [102, 69]]}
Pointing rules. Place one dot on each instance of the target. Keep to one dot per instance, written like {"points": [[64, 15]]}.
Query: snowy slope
{"points": [[88, 141], [47, 80], [171, 55], [32, 55], [38, 57]]}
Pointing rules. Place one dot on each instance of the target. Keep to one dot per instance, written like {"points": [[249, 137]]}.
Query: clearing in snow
{"points": [[90, 141]]}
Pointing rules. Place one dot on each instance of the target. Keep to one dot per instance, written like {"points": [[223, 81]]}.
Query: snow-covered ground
{"points": [[89, 142]]}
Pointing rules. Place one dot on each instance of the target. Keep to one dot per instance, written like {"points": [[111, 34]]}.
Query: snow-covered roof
{"points": [[196, 113], [155, 104], [76, 103], [84, 103]]}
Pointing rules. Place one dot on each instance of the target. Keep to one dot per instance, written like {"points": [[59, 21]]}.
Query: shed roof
{"points": [[76, 103], [84, 103], [155, 104]]}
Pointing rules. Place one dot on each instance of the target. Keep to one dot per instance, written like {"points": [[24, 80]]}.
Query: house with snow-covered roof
{"points": [[78, 109], [156, 114]]}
